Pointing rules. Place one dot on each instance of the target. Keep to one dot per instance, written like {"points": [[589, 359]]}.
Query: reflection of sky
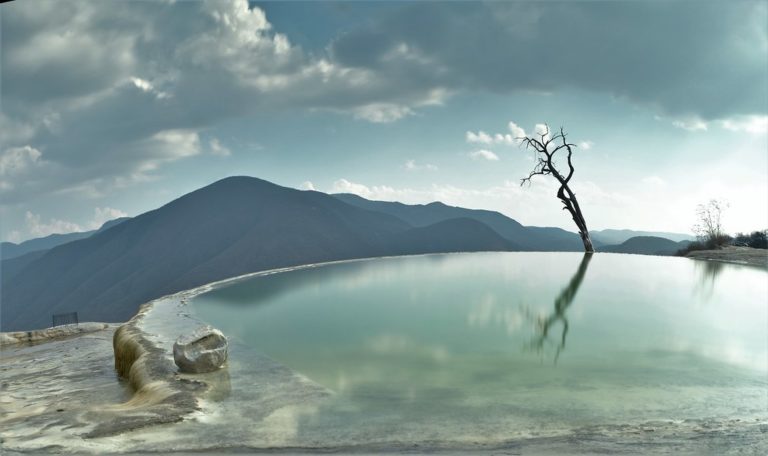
{"points": [[442, 333]]}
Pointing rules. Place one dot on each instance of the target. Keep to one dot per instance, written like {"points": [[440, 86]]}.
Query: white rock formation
{"points": [[204, 350]]}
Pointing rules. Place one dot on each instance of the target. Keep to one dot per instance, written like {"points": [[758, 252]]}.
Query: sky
{"points": [[111, 109]]}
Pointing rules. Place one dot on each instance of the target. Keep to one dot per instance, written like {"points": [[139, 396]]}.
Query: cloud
{"points": [[16, 160], [586, 145], [480, 137], [517, 131], [23, 168], [107, 90], [509, 139], [748, 124], [307, 185], [104, 214], [411, 165], [483, 154], [97, 86], [219, 149], [382, 112], [37, 227], [595, 46], [376, 192], [690, 124]]}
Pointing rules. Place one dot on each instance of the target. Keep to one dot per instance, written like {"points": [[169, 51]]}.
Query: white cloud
{"points": [[173, 70], [517, 131], [483, 154], [169, 145], [375, 192], [147, 87], [748, 124], [36, 227], [480, 137], [586, 145], [142, 84], [381, 112], [508, 139], [692, 124], [18, 159], [307, 185], [218, 149], [102, 215], [411, 165]]}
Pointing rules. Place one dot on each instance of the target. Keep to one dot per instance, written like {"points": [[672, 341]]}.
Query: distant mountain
{"points": [[11, 250], [613, 237], [527, 238], [452, 235], [646, 245], [231, 227]]}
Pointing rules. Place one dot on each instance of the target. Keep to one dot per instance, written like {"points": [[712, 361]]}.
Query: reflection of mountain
{"points": [[562, 302]]}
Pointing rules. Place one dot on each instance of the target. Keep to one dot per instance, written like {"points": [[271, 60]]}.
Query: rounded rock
{"points": [[204, 350]]}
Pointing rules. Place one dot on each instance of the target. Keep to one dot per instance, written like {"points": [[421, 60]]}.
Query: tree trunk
{"points": [[587, 240], [572, 206]]}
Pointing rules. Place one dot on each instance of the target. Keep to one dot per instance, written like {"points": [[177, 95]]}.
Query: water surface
{"points": [[490, 347]]}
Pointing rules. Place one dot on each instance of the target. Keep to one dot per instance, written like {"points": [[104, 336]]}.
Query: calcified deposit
{"points": [[117, 390], [64, 394]]}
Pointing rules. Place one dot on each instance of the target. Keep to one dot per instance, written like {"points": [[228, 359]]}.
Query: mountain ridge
{"points": [[234, 226], [10, 250]]}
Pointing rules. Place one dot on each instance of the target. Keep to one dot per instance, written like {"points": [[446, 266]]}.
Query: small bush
{"points": [[712, 243], [756, 240]]}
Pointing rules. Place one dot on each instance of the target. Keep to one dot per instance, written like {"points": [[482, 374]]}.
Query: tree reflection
{"points": [[544, 324], [708, 271]]}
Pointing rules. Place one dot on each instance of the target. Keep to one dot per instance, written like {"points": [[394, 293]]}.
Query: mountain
{"points": [[612, 237], [10, 250], [452, 235], [231, 227], [527, 238], [647, 245]]}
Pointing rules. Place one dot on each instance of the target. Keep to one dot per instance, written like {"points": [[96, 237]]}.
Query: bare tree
{"points": [[709, 226], [546, 147]]}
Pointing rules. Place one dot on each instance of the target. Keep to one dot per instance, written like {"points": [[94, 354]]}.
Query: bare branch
{"points": [[546, 166]]}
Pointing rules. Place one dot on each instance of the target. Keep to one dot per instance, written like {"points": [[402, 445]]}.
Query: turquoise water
{"points": [[492, 346]]}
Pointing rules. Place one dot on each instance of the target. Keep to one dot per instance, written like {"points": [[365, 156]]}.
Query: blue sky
{"points": [[114, 109]]}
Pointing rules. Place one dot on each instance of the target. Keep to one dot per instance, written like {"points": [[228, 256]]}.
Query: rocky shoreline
{"points": [[735, 255]]}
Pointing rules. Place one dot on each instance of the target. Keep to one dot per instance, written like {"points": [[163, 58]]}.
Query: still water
{"points": [[493, 346]]}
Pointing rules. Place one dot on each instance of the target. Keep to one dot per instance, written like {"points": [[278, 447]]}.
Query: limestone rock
{"points": [[204, 350]]}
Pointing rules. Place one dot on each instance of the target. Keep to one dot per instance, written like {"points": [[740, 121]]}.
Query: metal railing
{"points": [[65, 319]]}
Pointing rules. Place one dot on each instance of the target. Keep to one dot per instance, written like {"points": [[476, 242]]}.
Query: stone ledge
{"points": [[56, 332]]}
